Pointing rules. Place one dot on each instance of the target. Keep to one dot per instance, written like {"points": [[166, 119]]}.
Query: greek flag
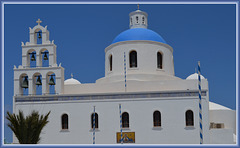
{"points": [[93, 124], [200, 103], [120, 112], [125, 75]]}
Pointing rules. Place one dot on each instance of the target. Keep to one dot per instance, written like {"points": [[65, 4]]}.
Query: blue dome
{"points": [[138, 34]]}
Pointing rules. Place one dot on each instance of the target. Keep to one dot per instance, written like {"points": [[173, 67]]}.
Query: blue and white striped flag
{"points": [[200, 103], [120, 112], [93, 124], [125, 73]]}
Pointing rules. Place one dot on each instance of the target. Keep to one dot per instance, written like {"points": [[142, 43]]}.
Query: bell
{"points": [[25, 83], [51, 82], [45, 56], [39, 35], [33, 57], [38, 82]]}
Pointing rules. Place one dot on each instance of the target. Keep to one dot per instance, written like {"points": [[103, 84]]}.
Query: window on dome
{"points": [[137, 19], [189, 118], [96, 120], [110, 62], [159, 60], [133, 59], [156, 119], [131, 21], [143, 21], [64, 121], [125, 120]]}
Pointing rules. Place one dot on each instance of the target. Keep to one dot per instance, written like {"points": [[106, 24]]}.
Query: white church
{"points": [[139, 101]]}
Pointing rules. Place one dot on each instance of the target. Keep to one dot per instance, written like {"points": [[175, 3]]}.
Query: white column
{"points": [[32, 38], [44, 85], [25, 60], [51, 59], [58, 86], [44, 39], [17, 87], [38, 60], [30, 86]]}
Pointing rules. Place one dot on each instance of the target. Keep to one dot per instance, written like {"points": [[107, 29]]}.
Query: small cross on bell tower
{"points": [[38, 21]]}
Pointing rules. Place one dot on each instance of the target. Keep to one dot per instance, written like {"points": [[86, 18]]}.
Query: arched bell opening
{"points": [[51, 82], [38, 36], [37, 84], [44, 58], [31, 58], [24, 84]]}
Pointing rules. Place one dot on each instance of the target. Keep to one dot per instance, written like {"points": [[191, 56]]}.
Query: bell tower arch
{"points": [[38, 61]]}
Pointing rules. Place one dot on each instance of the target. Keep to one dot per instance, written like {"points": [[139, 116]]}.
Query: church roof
{"points": [[139, 34], [215, 106], [71, 81]]}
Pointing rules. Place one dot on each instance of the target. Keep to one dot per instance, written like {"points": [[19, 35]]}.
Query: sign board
{"points": [[128, 137]]}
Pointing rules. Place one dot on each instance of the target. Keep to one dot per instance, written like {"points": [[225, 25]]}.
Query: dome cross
{"points": [[38, 21]]}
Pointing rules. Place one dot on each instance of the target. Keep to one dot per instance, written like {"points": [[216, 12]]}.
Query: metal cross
{"points": [[71, 75], [39, 21], [138, 6]]}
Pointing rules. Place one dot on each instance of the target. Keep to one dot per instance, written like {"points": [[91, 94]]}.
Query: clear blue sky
{"points": [[81, 32]]}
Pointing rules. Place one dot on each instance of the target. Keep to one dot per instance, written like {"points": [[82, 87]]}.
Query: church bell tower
{"points": [[39, 73]]}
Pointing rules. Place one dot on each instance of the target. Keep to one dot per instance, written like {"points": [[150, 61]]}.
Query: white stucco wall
{"points": [[146, 60], [221, 136], [135, 86], [173, 130], [228, 117]]}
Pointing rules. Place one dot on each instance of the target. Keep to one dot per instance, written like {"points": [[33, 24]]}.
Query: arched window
{"points": [[110, 62], [189, 118], [133, 59], [64, 121], [137, 19], [159, 60], [131, 21], [125, 120], [96, 120], [143, 20], [156, 119]]}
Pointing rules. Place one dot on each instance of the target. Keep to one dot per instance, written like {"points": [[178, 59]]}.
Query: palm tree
{"points": [[27, 130]]}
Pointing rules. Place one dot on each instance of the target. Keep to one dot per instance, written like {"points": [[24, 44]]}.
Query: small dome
{"points": [[71, 81], [215, 106], [138, 34], [194, 76]]}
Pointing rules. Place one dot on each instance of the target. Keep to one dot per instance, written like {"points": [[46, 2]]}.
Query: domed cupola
{"points": [[194, 77], [138, 54], [71, 81], [138, 19], [138, 25]]}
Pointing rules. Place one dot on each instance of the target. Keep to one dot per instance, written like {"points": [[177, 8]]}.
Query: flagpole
{"points": [[93, 124], [200, 103], [120, 112], [125, 75]]}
